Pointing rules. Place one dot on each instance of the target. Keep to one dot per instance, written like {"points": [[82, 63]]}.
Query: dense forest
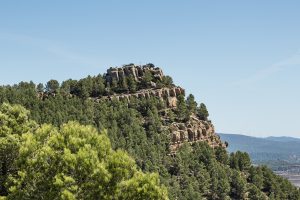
{"points": [[64, 141]]}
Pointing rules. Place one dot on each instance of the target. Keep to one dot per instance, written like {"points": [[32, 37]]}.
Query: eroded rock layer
{"points": [[166, 94], [194, 130], [137, 72]]}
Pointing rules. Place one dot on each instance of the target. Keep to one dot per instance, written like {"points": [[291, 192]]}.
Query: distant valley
{"points": [[282, 154]]}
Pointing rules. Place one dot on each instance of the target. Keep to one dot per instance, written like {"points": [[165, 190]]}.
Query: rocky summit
{"points": [[191, 131], [150, 82], [137, 72]]}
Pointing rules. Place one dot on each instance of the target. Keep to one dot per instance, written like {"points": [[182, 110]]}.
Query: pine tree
{"points": [[255, 194], [124, 84], [98, 86], [238, 185], [52, 86], [132, 85], [202, 112], [182, 109], [191, 103], [147, 78], [40, 88]]}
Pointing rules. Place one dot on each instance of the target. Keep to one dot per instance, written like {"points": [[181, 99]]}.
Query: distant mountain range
{"points": [[282, 139], [273, 151]]}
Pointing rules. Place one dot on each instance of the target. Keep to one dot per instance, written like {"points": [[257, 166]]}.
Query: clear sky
{"points": [[241, 58]]}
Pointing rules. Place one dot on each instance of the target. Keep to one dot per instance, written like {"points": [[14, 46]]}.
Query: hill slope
{"points": [[150, 117]]}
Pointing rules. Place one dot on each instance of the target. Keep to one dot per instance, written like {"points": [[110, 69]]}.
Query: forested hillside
{"points": [[145, 114]]}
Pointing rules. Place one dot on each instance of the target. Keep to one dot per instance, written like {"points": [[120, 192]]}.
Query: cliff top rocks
{"points": [[169, 95], [193, 130], [136, 71]]}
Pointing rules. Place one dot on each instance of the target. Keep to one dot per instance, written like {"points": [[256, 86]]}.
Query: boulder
{"points": [[172, 102]]}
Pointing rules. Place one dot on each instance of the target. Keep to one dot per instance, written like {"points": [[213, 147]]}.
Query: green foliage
{"points": [[84, 87], [240, 161], [14, 122], [71, 162], [256, 177], [132, 84], [166, 81], [147, 78], [124, 84], [182, 111], [222, 155], [193, 179], [256, 194], [98, 87], [40, 87], [171, 116], [220, 186], [141, 187], [202, 112], [238, 185], [191, 103], [52, 86]]}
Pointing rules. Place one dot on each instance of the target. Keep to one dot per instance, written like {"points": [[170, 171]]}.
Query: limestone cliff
{"points": [[137, 72], [193, 130], [169, 95]]}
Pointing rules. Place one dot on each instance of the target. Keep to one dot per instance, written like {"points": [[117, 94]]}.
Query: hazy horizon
{"points": [[261, 137], [241, 59]]}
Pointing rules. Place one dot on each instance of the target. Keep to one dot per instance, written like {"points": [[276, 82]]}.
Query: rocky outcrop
{"points": [[136, 71], [167, 94], [194, 130]]}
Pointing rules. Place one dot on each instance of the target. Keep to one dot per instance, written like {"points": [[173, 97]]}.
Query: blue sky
{"points": [[241, 58]]}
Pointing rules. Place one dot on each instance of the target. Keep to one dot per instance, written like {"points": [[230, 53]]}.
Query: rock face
{"points": [[194, 130], [137, 72], [166, 94]]}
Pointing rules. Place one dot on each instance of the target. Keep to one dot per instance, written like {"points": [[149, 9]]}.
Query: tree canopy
{"points": [[70, 162]]}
